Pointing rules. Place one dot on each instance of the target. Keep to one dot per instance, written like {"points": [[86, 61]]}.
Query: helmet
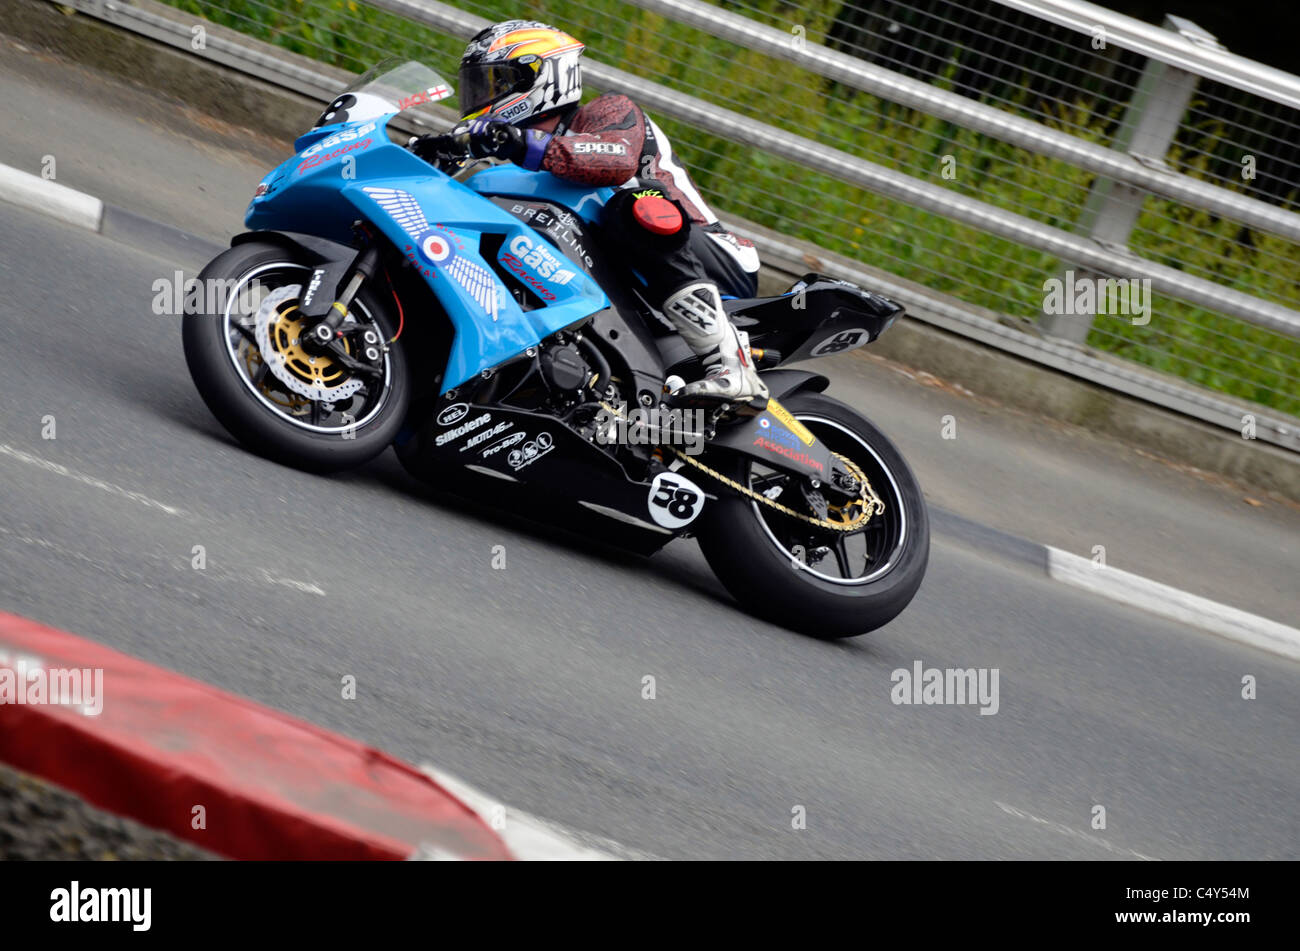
{"points": [[518, 71]]}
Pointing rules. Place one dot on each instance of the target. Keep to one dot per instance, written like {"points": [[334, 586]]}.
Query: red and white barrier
{"points": [[269, 786]]}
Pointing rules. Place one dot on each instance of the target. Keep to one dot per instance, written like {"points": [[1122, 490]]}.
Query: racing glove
{"points": [[488, 138], [492, 139]]}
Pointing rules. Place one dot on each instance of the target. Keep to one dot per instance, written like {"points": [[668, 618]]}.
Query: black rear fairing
{"points": [[817, 317]]}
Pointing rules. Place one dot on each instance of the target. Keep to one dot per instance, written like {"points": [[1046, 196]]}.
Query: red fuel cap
{"points": [[657, 214]]}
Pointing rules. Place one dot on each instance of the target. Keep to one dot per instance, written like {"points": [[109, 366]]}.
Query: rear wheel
{"points": [[302, 409], [814, 579]]}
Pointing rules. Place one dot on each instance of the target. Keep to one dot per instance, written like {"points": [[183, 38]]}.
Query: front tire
{"points": [[261, 410], [756, 553]]}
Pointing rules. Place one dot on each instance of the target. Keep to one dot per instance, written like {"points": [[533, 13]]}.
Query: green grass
{"points": [[1212, 350]]}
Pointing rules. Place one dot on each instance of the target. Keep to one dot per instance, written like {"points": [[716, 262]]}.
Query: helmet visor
{"points": [[482, 84]]}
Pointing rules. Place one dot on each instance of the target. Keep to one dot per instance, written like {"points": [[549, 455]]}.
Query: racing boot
{"points": [[696, 311]]}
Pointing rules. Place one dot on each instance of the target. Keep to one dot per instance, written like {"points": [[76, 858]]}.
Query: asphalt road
{"points": [[528, 681]]}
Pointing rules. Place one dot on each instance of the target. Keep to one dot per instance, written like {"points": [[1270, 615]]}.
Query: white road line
{"points": [[1174, 603], [237, 577], [50, 198], [530, 838], [304, 586], [84, 479], [1073, 833]]}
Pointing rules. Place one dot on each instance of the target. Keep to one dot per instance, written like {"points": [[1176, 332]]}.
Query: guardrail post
{"points": [[1159, 102]]}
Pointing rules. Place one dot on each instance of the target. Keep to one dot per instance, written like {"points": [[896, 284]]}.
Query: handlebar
{"points": [[445, 149], [460, 143]]}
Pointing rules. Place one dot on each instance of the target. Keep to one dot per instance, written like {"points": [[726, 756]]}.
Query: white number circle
{"points": [[674, 501]]}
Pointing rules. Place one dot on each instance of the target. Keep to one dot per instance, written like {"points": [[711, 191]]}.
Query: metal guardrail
{"points": [[1146, 172], [1173, 121], [317, 83], [1199, 57], [953, 316], [936, 308]]}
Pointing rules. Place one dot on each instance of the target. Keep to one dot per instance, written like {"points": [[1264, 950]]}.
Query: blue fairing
{"points": [[542, 186], [352, 170]]}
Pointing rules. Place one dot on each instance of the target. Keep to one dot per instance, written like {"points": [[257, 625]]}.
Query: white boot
{"points": [[696, 311]]}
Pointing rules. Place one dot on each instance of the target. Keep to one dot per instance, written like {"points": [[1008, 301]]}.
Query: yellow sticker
{"points": [[789, 422]]}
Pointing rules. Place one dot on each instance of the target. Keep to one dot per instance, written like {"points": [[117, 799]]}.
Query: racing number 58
{"points": [[679, 501]]}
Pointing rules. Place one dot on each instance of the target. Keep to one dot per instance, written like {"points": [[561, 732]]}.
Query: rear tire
{"points": [[745, 551], [213, 354]]}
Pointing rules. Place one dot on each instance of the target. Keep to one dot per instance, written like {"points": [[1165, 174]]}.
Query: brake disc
{"points": [[278, 326]]}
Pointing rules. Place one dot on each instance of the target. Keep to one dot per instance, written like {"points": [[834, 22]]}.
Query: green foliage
{"points": [[1218, 352]]}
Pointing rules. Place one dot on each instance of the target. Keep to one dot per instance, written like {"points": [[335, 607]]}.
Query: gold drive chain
{"points": [[870, 501]]}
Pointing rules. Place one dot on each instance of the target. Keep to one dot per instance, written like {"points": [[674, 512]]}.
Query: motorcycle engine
{"points": [[580, 384], [564, 368]]}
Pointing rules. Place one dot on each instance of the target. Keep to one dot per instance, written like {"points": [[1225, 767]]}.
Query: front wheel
{"points": [[302, 409], [812, 579]]}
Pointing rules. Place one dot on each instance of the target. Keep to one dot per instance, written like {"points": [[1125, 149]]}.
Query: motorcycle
{"points": [[475, 323]]}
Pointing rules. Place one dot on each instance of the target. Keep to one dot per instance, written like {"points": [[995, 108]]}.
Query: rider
{"points": [[520, 82]]}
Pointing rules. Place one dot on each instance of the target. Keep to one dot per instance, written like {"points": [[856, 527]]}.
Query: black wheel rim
{"points": [[840, 558]]}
